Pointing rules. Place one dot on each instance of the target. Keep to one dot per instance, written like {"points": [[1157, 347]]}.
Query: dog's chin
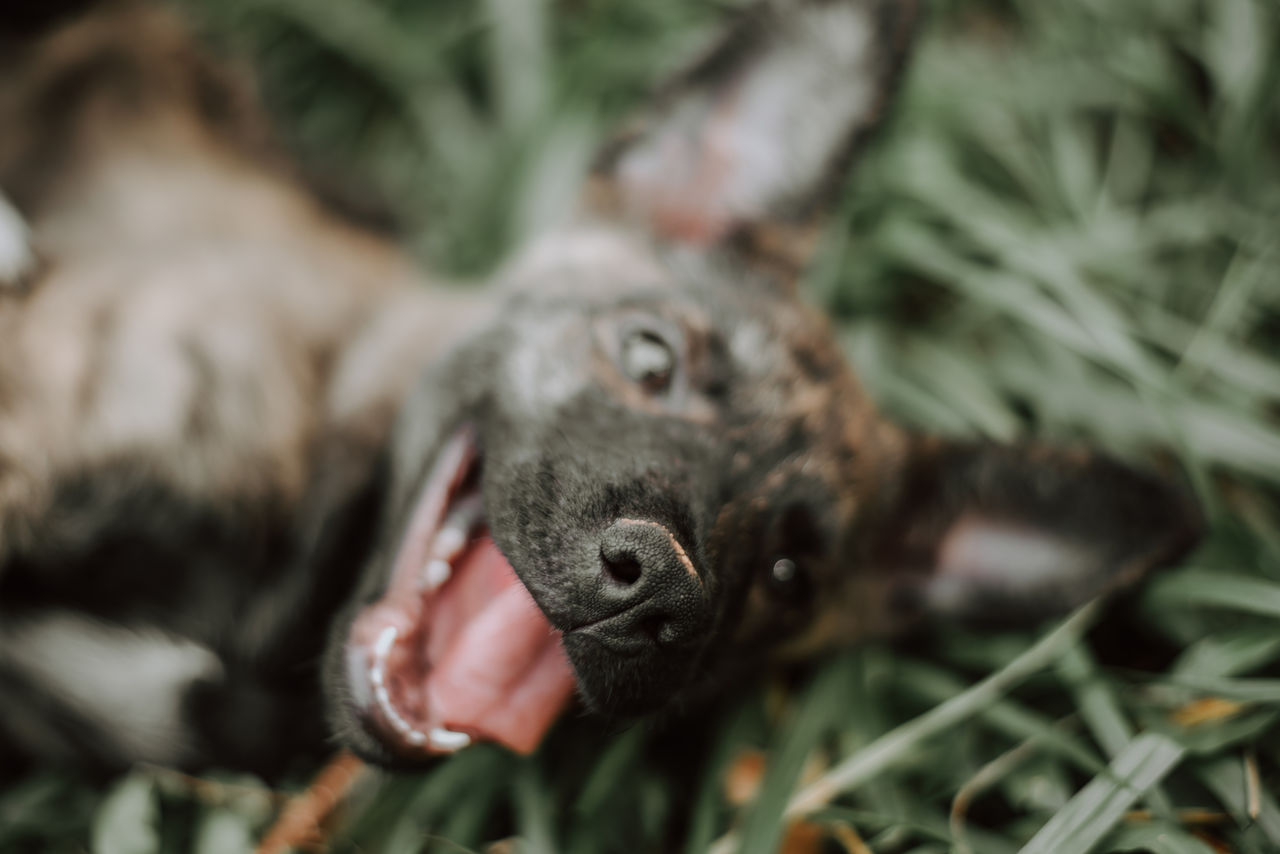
{"points": [[630, 685]]}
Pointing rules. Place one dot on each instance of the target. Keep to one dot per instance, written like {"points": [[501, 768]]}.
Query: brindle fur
{"points": [[219, 395]]}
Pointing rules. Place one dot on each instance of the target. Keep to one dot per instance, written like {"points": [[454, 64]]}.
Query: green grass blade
{"points": [[1201, 588], [1091, 814], [899, 743], [1156, 838], [126, 821]]}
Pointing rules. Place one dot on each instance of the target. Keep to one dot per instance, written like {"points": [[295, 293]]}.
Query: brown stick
{"points": [[301, 821]]}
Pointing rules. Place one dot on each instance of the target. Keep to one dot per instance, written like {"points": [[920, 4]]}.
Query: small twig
{"points": [[212, 792], [895, 745], [1189, 816], [302, 819]]}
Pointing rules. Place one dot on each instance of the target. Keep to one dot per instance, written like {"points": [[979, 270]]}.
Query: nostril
{"points": [[653, 627], [621, 569], [646, 595]]}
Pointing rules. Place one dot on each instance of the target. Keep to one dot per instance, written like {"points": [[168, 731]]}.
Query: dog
{"points": [[264, 485]]}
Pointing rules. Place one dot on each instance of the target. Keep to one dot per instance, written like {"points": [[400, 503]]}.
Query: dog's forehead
{"points": [[770, 335], [585, 260], [792, 392], [602, 263]]}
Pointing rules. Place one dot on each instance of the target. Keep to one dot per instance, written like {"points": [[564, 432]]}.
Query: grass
{"points": [[1069, 229]]}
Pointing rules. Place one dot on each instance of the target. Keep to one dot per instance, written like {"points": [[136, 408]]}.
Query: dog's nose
{"points": [[650, 586]]}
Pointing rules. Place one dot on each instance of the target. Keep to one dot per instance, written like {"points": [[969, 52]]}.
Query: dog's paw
{"points": [[17, 258]]}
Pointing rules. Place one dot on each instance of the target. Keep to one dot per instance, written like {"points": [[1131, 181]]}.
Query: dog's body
{"points": [[224, 407], [169, 387]]}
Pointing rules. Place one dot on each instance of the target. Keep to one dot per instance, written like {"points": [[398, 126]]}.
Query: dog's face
{"points": [[653, 471], [654, 443], [662, 460]]}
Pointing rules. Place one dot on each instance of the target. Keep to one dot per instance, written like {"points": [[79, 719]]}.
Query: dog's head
{"points": [[653, 469]]}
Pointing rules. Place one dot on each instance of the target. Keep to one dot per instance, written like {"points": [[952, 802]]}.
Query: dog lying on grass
{"points": [[262, 485]]}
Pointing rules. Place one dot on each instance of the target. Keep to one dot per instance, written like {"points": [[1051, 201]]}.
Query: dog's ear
{"points": [[756, 134], [1010, 533]]}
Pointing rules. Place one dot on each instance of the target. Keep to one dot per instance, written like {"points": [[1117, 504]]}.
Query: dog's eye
{"points": [[648, 361], [788, 581]]}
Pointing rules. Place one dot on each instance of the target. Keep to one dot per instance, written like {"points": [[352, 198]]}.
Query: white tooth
{"points": [[449, 542], [434, 574], [466, 514], [448, 740], [382, 647], [377, 675]]}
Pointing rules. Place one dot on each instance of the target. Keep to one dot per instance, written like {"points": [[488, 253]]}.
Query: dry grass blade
{"points": [[1188, 816], [986, 776]]}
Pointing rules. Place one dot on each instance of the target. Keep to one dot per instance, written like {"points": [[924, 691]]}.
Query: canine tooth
{"points": [[385, 641], [434, 574], [449, 542], [447, 739]]}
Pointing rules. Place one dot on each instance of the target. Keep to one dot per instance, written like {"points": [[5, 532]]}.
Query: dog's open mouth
{"points": [[455, 650]]}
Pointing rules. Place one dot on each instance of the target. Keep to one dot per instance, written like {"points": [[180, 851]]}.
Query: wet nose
{"points": [[650, 587]]}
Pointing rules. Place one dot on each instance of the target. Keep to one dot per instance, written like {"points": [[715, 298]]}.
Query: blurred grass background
{"points": [[1069, 229]]}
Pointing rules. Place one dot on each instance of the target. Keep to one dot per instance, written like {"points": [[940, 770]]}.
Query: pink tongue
{"points": [[498, 668]]}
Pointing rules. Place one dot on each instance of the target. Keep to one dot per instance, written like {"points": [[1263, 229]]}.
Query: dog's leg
{"points": [[122, 691]]}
